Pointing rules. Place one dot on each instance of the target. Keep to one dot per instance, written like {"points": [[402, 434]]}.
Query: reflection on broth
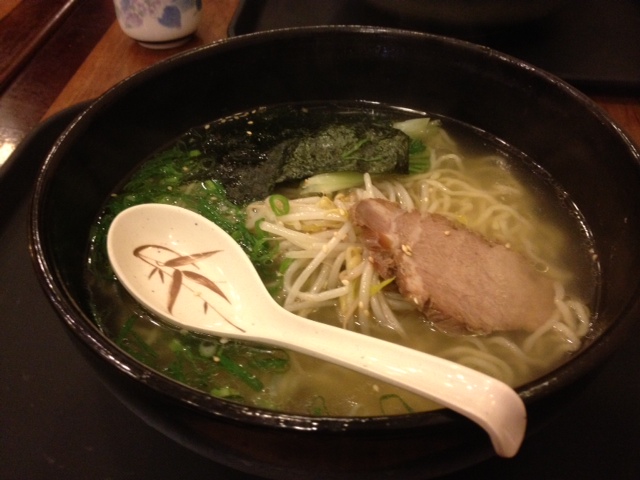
{"points": [[282, 181]]}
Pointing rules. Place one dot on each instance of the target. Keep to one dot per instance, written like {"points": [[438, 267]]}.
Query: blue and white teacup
{"points": [[159, 23]]}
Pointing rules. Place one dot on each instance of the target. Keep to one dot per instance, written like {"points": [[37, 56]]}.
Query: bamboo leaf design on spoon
{"points": [[205, 282], [189, 259], [174, 290], [171, 268]]}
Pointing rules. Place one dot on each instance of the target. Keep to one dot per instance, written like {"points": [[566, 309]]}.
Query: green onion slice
{"points": [[279, 204]]}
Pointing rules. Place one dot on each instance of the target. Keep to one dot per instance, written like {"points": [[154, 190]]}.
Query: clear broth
{"points": [[290, 382]]}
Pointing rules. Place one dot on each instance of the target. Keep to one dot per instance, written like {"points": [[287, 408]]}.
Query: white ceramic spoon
{"points": [[188, 271]]}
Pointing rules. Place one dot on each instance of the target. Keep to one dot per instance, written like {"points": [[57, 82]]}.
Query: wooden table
{"points": [[75, 51], [56, 53]]}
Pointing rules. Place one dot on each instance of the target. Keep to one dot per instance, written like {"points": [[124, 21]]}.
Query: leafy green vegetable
{"points": [[169, 178], [239, 371], [425, 129], [200, 365], [326, 183], [419, 157]]}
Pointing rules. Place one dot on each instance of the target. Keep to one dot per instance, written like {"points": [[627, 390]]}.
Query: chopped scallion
{"points": [[279, 204]]}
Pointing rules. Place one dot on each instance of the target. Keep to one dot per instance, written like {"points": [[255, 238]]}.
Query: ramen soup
{"points": [[323, 199]]}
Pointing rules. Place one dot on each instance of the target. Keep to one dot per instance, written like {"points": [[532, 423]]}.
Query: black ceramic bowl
{"points": [[536, 113]]}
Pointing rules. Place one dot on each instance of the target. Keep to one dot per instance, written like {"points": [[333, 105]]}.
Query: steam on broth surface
{"points": [[282, 181]]}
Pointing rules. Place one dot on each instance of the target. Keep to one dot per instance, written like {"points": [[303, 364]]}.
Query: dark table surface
{"points": [[57, 420], [591, 44]]}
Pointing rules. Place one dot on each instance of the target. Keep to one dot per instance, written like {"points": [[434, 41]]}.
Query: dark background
{"points": [[592, 44]]}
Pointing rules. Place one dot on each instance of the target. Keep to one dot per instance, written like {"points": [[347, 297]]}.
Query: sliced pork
{"points": [[459, 279]]}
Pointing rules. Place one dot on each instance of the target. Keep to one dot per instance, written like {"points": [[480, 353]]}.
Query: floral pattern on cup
{"points": [[132, 12], [158, 20]]}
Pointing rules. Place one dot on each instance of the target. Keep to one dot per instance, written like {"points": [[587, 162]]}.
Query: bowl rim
{"points": [[84, 329]]}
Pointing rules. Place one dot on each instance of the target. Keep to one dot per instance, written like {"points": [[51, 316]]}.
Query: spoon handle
{"points": [[493, 405]]}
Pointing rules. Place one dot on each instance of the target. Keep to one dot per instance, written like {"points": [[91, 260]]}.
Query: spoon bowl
{"points": [[190, 272]]}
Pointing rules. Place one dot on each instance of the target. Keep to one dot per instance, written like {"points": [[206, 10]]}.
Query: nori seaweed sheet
{"points": [[346, 148], [251, 152]]}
